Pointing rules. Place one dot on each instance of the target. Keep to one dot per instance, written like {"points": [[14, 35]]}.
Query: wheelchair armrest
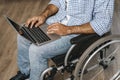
{"points": [[83, 37]]}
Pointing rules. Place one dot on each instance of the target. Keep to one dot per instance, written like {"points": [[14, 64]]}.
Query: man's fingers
{"points": [[32, 23], [28, 22], [52, 26], [51, 31], [54, 29], [49, 27], [38, 24]]}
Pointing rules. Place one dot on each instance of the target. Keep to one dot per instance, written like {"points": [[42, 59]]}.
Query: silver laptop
{"points": [[37, 36]]}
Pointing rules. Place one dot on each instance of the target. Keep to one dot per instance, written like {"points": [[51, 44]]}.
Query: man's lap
{"points": [[51, 49]]}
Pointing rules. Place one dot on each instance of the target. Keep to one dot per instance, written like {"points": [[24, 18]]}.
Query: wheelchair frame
{"points": [[79, 65]]}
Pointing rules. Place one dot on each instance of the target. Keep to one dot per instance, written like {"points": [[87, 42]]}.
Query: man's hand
{"points": [[58, 29], [39, 20], [35, 21]]}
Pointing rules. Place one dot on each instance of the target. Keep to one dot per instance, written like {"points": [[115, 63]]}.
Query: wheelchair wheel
{"points": [[100, 60]]}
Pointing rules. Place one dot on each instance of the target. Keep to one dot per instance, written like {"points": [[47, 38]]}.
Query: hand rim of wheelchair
{"points": [[89, 50], [102, 47], [67, 55]]}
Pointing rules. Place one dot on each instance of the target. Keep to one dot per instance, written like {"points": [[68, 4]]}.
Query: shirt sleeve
{"points": [[102, 16], [55, 2]]}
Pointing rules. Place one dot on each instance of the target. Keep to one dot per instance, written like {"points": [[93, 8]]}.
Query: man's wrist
{"points": [[44, 15], [73, 30], [69, 30]]}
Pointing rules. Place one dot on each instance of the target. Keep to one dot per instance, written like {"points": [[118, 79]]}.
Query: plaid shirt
{"points": [[98, 12]]}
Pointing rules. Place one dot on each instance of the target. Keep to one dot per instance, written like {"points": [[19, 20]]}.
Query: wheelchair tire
{"points": [[87, 56]]}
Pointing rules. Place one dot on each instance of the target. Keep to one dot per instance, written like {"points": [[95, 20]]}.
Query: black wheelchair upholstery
{"points": [[82, 42]]}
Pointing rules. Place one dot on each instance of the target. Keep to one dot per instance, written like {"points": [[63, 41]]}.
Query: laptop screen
{"points": [[16, 26]]}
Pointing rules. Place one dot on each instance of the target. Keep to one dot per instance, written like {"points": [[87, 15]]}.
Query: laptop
{"points": [[37, 35]]}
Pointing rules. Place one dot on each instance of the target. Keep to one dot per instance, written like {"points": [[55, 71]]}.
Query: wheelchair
{"points": [[89, 55]]}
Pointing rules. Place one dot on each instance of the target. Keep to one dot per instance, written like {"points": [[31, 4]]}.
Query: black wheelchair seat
{"points": [[82, 42]]}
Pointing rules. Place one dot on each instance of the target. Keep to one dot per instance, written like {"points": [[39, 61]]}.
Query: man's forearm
{"points": [[82, 29], [50, 10]]}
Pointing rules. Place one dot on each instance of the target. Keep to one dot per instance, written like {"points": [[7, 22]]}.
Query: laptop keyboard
{"points": [[35, 35]]}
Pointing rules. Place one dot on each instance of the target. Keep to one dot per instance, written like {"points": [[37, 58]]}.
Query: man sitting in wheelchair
{"points": [[67, 18]]}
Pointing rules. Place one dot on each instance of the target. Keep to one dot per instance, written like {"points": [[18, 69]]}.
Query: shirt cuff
{"points": [[55, 2], [99, 28]]}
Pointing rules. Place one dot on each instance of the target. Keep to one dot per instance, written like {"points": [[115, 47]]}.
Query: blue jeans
{"points": [[33, 59]]}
